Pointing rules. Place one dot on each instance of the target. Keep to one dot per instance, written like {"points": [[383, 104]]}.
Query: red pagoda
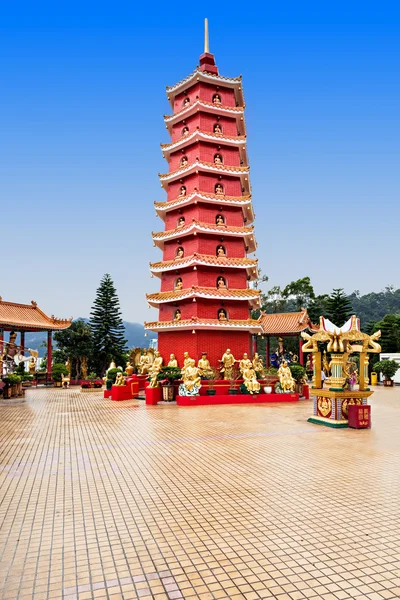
{"points": [[206, 296]]}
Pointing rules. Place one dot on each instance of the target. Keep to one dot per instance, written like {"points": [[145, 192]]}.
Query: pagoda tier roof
{"points": [[196, 227], [207, 260], [242, 172], [28, 317], [243, 201], [251, 296], [238, 141], [276, 324], [197, 323], [235, 112], [234, 83]]}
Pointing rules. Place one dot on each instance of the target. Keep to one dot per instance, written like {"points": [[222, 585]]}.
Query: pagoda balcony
{"points": [[238, 141], [196, 323], [195, 227], [207, 260], [249, 295], [234, 83], [243, 201], [199, 165], [236, 112]]}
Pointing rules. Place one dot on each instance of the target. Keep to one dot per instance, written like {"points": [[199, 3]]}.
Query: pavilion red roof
{"points": [[27, 317], [286, 323]]}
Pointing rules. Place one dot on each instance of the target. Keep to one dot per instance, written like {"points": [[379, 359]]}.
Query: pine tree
{"points": [[107, 327], [338, 307]]}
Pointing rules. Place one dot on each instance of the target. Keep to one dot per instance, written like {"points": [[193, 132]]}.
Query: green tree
{"points": [[73, 344], [390, 328], [300, 292], [109, 341], [338, 307], [317, 308]]}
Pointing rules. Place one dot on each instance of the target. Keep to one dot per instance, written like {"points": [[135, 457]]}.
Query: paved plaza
{"points": [[101, 499]]}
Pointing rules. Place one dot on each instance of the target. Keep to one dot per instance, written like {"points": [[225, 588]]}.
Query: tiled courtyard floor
{"points": [[100, 499]]}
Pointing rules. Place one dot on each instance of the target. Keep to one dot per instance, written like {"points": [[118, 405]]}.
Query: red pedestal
{"points": [[141, 379], [306, 392], [359, 417], [125, 392], [107, 393], [153, 395], [239, 399]]}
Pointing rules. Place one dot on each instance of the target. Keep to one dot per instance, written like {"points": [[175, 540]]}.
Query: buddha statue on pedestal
{"points": [[219, 190], [217, 128], [155, 369], [178, 284], [191, 380], [222, 315], [219, 220], [221, 283], [221, 252], [250, 380], [204, 365], [179, 253], [144, 364], [228, 362], [218, 159], [244, 364], [285, 378], [217, 99]]}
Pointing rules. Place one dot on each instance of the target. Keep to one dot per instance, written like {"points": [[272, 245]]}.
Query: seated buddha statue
{"points": [[186, 102], [221, 252], [219, 190], [244, 363], [218, 159], [250, 380], [217, 128], [179, 284], [185, 131], [217, 99], [181, 222], [222, 315], [179, 253], [184, 161], [172, 361], [177, 315], [221, 283], [182, 191], [219, 219]]}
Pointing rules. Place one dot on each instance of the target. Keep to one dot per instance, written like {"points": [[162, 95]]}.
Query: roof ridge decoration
{"points": [[205, 104], [238, 170], [198, 71], [200, 225], [217, 137], [208, 259], [29, 315], [203, 323], [181, 199], [208, 291]]}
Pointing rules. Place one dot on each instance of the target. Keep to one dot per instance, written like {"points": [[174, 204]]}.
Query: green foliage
{"points": [[388, 368], [301, 292], [317, 308], [112, 373], [74, 343], [58, 370], [12, 379], [92, 376], [338, 307], [271, 371], [108, 330], [169, 374], [298, 372], [374, 306], [390, 328]]}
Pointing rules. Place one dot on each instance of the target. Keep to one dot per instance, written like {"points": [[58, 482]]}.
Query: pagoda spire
{"points": [[206, 38]]}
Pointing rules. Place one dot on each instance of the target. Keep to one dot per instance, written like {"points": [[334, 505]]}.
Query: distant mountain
{"points": [[134, 333]]}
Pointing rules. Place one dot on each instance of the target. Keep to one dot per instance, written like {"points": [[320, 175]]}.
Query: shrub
{"points": [[388, 368], [57, 371], [112, 373], [298, 372], [168, 375]]}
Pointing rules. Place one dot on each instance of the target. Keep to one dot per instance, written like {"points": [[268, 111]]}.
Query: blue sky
{"points": [[81, 106]]}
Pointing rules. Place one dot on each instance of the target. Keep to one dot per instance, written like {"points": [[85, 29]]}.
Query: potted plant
{"points": [[270, 378], [233, 381], [167, 376], [111, 376], [299, 375], [212, 376], [57, 371], [14, 383], [388, 368], [27, 380], [91, 383]]}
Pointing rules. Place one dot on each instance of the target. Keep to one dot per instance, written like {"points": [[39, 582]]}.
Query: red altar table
{"points": [[359, 417]]}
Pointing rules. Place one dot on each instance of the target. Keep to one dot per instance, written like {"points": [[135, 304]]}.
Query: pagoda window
{"points": [[178, 284], [221, 251], [217, 128], [221, 283], [184, 161], [181, 222], [177, 315], [217, 99], [219, 220], [182, 191], [185, 131], [186, 101], [218, 159], [219, 189], [222, 315], [180, 253]]}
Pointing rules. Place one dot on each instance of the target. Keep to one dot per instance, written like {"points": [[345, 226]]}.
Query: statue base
{"points": [[331, 406], [204, 400]]}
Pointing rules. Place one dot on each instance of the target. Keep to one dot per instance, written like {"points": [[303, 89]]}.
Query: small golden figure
{"points": [[120, 379], [177, 315], [228, 362], [258, 364], [179, 284], [186, 101], [219, 190], [182, 191], [144, 364], [32, 365], [221, 252], [181, 222], [221, 283], [155, 369], [217, 99], [185, 131], [172, 361], [244, 364], [250, 380], [285, 378], [220, 221], [184, 161], [191, 380], [204, 365], [218, 159], [217, 128], [222, 315]]}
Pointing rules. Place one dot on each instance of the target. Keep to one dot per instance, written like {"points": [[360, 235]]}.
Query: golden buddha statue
{"points": [[129, 369], [32, 365], [185, 131], [180, 253], [155, 369], [179, 284], [186, 360], [285, 378], [219, 220], [186, 101], [217, 129], [182, 191], [177, 315], [144, 364], [221, 252], [228, 362], [172, 361], [191, 380], [218, 159], [120, 379], [221, 283], [204, 365], [245, 363], [222, 315], [250, 380], [217, 99], [219, 190], [258, 364], [184, 161], [181, 222]]}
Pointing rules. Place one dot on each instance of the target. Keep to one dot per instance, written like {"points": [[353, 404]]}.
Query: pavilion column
{"points": [[301, 354], [49, 353], [267, 353], [22, 343], [1, 350], [254, 349]]}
